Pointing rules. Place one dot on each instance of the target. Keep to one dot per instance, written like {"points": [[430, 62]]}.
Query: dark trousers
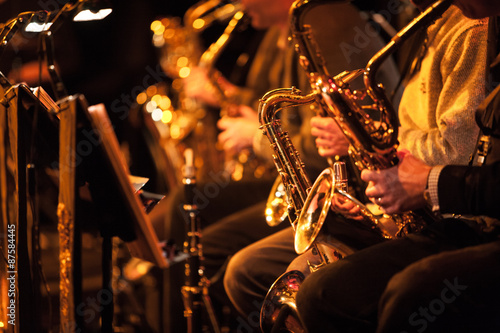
{"points": [[225, 238], [446, 279]]}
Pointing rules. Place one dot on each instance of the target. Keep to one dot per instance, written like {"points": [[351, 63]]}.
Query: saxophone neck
{"points": [[270, 103], [210, 56], [422, 21], [305, 44]]}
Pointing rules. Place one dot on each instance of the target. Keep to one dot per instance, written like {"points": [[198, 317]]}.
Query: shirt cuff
{"points": [[432, 187]]}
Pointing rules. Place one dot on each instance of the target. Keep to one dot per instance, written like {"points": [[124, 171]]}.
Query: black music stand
{"points": [[121, 212], [38, 127], [28, 127], [113, 192]]}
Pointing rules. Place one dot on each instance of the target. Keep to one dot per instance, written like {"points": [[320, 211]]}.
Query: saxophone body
{"points": [[373, 145], [286, 158], [279, 303]]}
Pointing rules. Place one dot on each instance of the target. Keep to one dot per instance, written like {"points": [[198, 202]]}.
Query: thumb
{"points": [[402, 154], [368, 175], [223, 123]]}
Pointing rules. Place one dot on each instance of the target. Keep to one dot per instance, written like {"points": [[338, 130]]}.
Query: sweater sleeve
{"points": [[447, 132]]}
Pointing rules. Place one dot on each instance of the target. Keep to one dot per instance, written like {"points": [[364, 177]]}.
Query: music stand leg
{"points": [[107, 268]]}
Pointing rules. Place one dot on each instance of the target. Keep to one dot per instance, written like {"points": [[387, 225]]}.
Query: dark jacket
{"points": [[476, 190]]}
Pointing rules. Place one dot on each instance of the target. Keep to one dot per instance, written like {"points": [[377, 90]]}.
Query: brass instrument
{"points": [[373, 145], [189, 122], [233, 165], [211, 55], [204, 13], [276, 210], [296, 184], [179, 40], [177, 121]]}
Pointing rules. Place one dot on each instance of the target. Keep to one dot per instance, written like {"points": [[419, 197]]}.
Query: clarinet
{"points": [[195, 289]]}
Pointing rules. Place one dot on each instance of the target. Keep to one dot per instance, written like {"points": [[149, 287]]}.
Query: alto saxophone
{"points": [[373, 145], [296, 184]]}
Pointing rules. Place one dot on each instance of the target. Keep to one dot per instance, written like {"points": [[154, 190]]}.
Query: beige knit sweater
{"points": [[437, 107]]}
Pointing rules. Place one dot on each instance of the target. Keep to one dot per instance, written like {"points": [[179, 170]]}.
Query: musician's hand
{"points": [[238, 132], [346, 207], [330, 139], [400, 188]]}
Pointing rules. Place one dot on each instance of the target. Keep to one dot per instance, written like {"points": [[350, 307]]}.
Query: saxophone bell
{"points": [[279, 308], [328, 196], [277, 205]]}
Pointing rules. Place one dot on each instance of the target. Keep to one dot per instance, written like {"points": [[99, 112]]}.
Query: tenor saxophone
{"points": [[373, 145]]}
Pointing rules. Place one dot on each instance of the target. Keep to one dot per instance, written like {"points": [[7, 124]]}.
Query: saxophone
{"points": [[233, 164], [373, 145], [176, 120], [296, 185]]}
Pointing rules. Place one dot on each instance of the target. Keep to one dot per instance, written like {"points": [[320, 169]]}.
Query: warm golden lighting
{"points": [[184, 72], [156, 114], [175, 131], [243, 158], [177, 84], [223, 39], [165, 103], [198, 23], [151, 90], [143, 268], [157, 27], [2, 324], [182, 62], [141, 98], [169, 33], [156, 99], [166, 21], [158, 40], [190, 103], [166, 117], [151, 106]]}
